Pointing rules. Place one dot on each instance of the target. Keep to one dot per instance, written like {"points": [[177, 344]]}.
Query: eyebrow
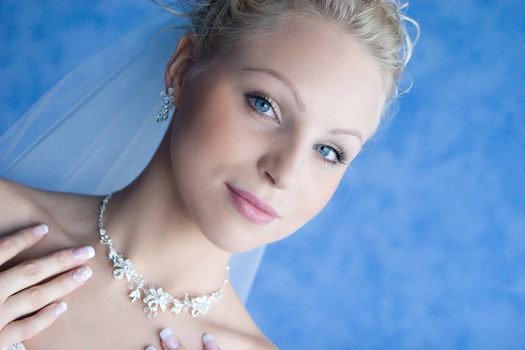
{"points": [[285, 80], [299, 101], [353, 132]]}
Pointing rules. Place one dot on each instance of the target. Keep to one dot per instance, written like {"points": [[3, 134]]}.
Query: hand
{"points": [[169, 342], [17, 301]]}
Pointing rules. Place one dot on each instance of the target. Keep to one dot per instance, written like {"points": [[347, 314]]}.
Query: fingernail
{"points": [[151, 347], [60, 308], [82, 274], [169, 339], [40, 230], [209, 341], [84, 253]]}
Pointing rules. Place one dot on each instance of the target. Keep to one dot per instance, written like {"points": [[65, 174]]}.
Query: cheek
{"points": [[210, 146], [311, 198], [202, 133], [314, 201]]}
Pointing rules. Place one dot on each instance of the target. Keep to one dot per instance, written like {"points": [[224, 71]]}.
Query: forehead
{"points": [[334, 74]]}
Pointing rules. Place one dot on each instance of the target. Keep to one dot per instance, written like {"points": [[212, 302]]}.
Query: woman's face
{"points": [[320, 81]]}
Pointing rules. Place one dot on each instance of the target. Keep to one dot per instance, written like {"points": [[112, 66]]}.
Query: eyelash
{"points": [[341, 155]]}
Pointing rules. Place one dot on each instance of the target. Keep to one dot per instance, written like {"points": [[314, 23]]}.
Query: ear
{"points": [[178, 65]]}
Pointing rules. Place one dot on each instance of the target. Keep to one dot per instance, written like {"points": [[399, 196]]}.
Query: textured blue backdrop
{"points": [[423, 245]]}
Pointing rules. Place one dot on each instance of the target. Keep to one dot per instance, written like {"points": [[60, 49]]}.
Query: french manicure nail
{"points": [[169, 339], [151, 347], [207, 338], [40, 230], [84, 253], [60, 308], [209, 342], [82, 274]]}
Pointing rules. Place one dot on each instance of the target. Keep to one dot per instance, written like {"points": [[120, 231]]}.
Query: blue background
{"points": [[423, 245]]}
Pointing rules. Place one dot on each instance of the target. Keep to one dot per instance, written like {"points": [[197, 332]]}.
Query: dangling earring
{"points": [[167, 105]]}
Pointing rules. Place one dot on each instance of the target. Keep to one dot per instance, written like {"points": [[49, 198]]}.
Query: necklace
{"points": [[153, 298]]}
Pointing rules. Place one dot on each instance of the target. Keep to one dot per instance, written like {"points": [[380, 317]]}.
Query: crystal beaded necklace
{"points": [[153, 298]]}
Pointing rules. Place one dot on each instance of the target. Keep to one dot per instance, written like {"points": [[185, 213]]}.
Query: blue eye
{"points": [[325, 150], [262, 104]]}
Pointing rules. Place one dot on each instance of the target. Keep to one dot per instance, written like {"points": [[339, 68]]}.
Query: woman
{"points": [[273, 101]]}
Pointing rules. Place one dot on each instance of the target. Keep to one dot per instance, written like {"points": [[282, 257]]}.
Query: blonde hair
{"points": [[380, 25]]}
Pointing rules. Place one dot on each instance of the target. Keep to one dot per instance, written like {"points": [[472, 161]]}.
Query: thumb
{"points": [[209, 342], [169, 341]]}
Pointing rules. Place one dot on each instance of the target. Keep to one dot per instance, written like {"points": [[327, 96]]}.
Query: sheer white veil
{"points": [[95, 130]]}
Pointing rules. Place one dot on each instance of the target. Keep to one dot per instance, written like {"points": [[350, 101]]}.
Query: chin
{"points": [[234, 237], [231, 241], [221, 224]]}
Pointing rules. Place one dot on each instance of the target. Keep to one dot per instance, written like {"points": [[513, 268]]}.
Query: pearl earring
{"points": [[167, 105]]}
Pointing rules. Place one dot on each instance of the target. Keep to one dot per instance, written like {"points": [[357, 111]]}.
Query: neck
{"points": [[150, 225]]}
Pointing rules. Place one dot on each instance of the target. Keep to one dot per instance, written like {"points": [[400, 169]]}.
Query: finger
{"points": [[209, 342], [36, 297], [13, 244], [169, 341], [26, 328], [31, 272]]}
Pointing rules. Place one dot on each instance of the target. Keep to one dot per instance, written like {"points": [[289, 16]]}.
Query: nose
{"points": [[283, 164]]}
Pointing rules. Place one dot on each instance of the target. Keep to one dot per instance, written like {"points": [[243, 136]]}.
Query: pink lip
{"points": [[249, 206]]}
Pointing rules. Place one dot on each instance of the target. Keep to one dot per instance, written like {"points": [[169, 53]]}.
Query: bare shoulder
{"points": [[18, 211], [262, 343], [247, 334], [249, 338], [23, 206], [16, 206], [9, 190], [253, 338]]}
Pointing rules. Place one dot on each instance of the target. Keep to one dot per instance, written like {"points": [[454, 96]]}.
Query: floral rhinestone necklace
{"points": [[153, 299]]}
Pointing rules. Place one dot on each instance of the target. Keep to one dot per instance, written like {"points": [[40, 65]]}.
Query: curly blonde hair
{"points": [[380, 25]]}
